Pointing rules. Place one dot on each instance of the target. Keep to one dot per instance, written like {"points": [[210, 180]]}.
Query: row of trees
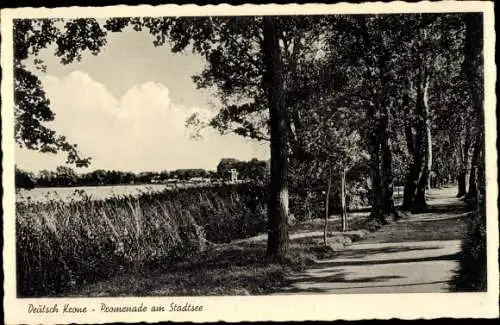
{"points": [[254, 170], [337, 97]]}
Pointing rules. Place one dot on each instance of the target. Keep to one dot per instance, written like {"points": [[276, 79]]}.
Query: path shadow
{"points": [[340, 278], [448, 257], [356, 253], [360, 210], [394, 285], [343, 290], [446, 208]]}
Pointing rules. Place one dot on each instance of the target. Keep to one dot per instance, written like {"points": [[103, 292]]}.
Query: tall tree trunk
{"points": [[307, 205], [414, 147], [343, 194], [481, 182], [413, 195], [462, 173], [327, 205], [462, 182], [386, 143], [277, 243], [472, 66], [473, 188], [428, 135], [464, 147], [420, 204], [377, 212], [387, 176]]}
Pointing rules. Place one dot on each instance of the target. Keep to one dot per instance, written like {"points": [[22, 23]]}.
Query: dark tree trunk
{"points": [[462, 180], [472, 66], [463, 148], [416, 180], [428, 136], [377, 212], [327, 205], [472, 193], [410, 186], [277, 243], [419, 202], [307, 206], [386, 142], [387, 176], [343, 194], [414, 144], [473, 188]]}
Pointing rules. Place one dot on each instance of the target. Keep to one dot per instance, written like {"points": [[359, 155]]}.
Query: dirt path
{"points": [[417, 254]]}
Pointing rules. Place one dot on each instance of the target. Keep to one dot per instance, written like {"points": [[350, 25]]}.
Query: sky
{"points": [[126, 109]]}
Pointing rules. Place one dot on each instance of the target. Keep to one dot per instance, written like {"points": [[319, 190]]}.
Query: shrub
{"points": [[471, 272], [61, 245]]}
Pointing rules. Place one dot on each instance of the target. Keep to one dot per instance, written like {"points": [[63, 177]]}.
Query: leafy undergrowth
{"points": [[357, 221], [226, 269], [471, 272]]}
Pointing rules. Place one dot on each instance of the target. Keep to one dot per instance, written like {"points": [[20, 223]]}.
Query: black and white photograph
{"points": [[158, 161]]}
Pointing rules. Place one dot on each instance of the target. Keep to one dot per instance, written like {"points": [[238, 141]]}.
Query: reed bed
{"points": [[61, 245]]}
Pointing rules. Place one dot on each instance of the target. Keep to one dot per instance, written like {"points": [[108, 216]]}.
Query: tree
{"points": [[46, 178], [253, 170], [378, 44], [242, 67], [249, 61], [277, 243], [65, 176], [472, 67], [24, 179], [225, 165], [427, 58], [31, 105]]}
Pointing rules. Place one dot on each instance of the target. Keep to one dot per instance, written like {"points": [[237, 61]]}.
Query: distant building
{"points": [[234, 175], [170, 181], [200, 180]]}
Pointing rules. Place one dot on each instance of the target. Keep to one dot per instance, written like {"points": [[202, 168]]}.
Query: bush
{"points": [[60, 245], [471, 273]]}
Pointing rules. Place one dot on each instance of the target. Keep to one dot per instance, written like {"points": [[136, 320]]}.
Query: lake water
{"points": [[95, 192]]}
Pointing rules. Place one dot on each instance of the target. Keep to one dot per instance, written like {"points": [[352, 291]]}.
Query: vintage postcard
{"points": [[249, 163]]}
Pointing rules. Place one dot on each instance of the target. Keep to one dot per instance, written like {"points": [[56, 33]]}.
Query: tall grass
{"points": [[61, 245]]}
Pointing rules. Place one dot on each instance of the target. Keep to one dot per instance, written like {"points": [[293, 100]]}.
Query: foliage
{"points": [[24, 179], [253, 170], [65, 176], [471, 273], [31, 105]]}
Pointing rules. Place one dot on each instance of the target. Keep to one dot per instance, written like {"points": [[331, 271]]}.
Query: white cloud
{"points": [[142, 130]]}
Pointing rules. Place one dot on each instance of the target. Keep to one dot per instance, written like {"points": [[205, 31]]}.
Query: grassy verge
{"points": [[227, 269]]}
